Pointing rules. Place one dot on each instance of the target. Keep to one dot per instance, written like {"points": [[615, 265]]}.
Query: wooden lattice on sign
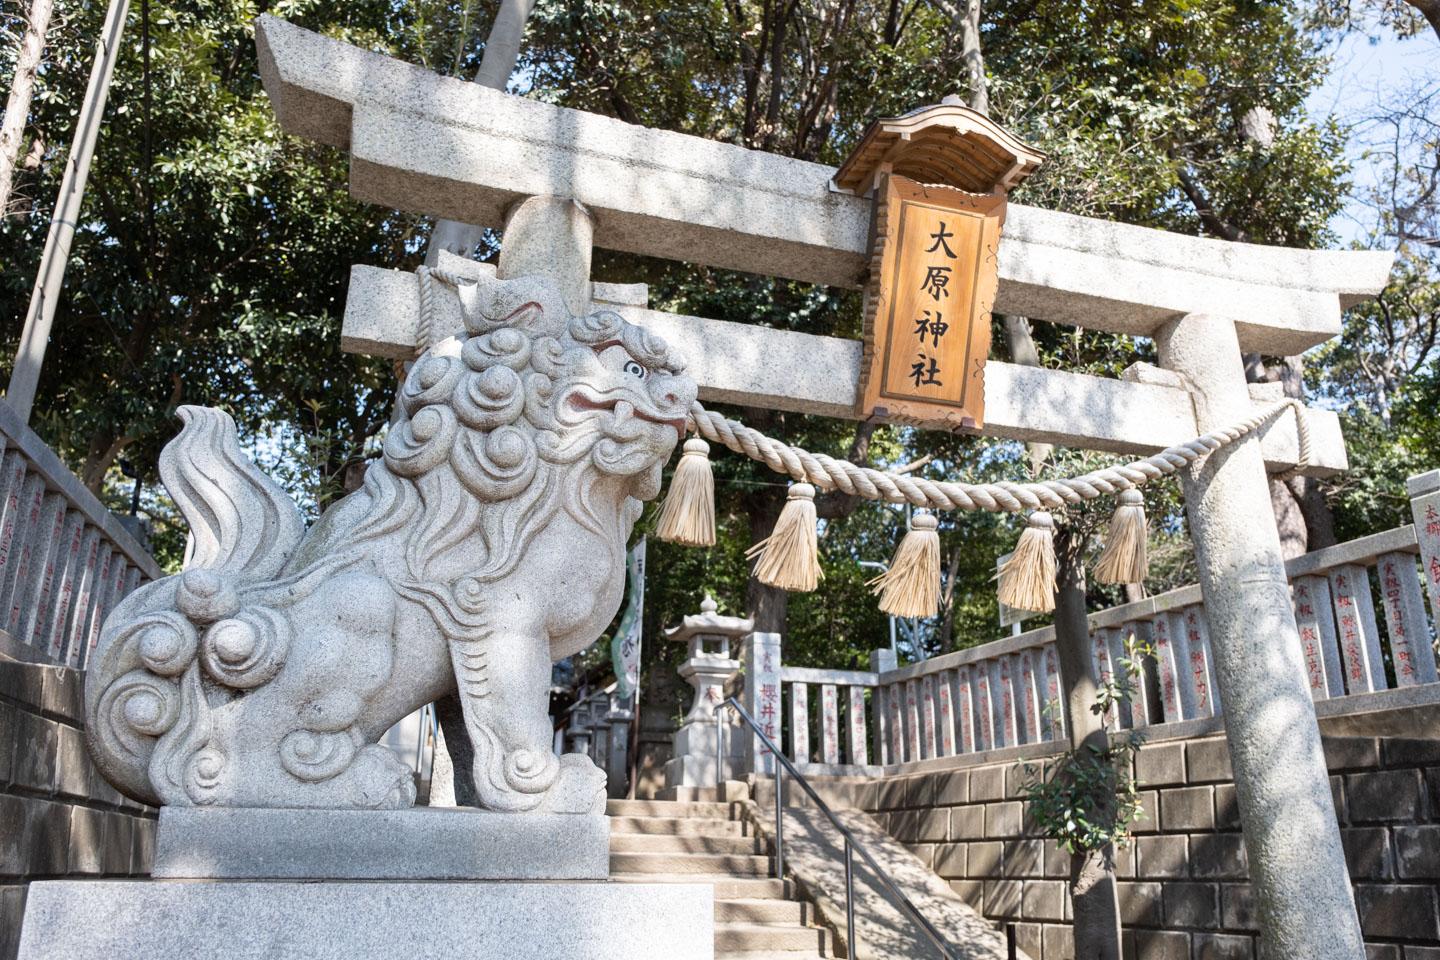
{"points": [[933, 276]]}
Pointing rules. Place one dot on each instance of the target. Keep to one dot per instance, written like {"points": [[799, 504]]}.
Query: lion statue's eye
{"points": [[615, 357]]}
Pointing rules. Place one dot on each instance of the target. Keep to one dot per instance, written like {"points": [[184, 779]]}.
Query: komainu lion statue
{"points": [[488, 542]]}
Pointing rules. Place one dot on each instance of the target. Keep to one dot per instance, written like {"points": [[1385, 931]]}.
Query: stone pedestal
{"points": [[278, 920], [241, 884], [423, 843], [694, 762]]}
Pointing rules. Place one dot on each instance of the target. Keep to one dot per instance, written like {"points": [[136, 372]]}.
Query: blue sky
{"points": [[1363, 71]]}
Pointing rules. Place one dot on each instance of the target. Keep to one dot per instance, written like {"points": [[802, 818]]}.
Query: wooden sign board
{"points": [[933, 276]]}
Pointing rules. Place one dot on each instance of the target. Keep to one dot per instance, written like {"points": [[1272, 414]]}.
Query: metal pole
{"points": [[420, 741], [849, 901], [719, 748], [51, 278], [786, 766], [634, 739], [883, 568], [779, 824]]}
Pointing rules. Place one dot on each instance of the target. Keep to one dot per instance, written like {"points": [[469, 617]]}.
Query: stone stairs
{"points": [[757, 917]]}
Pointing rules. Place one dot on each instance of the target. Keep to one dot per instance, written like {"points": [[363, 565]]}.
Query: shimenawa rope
{"points": [[832, 474]]}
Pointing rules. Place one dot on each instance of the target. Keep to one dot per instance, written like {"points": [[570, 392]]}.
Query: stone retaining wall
{"points": [[1184, 893], [58, 816]]}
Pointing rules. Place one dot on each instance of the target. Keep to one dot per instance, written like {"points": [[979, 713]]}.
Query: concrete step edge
{"points": [[682, 844], [677, 826]]}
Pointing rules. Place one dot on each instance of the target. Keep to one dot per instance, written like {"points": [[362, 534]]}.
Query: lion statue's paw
{"points": [[580, 787]]}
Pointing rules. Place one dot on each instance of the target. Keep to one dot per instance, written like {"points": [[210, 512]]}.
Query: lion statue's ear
{"points": [[531, 304]]}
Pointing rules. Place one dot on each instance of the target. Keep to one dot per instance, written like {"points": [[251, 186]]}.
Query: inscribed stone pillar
{"points": [[617, 756], [1425, 501], [762, 698], [1410, 649], [882, 661], [1306, 908]]}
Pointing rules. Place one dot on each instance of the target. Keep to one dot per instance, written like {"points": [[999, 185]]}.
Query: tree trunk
{"points": [[1302, 516], [456, 753], [1319, 520], [502, 49], [22, 90], [766, 605], [1093, 895], [104, 448], [1289, 520], [1093, 903], [1430, 10], [947, 603], [1022, 352], [974, 57]]}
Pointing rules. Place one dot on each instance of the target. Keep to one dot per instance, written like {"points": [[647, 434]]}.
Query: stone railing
{"points": [[841, 748], [1008, 693], [65, 560]]}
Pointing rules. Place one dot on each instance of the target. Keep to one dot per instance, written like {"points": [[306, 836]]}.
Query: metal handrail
{"points": [[851, 844]]}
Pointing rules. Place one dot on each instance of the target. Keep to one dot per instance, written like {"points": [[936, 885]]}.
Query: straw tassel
{"points": [[688, 516], [911, 587], [1027, 579], [1123, 558], [790, 557]]}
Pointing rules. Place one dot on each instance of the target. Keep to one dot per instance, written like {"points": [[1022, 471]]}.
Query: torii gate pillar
{"points": [[1292, 839], [550, 237]]}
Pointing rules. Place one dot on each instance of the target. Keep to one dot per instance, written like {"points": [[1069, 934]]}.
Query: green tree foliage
{"points": [[217, 275]]}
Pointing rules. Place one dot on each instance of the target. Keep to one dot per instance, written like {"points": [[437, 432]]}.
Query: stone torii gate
{"points": [[560, 181]]}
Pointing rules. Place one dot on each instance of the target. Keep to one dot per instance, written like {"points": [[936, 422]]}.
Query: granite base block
{"points": [[424, 843], [282, 920]]}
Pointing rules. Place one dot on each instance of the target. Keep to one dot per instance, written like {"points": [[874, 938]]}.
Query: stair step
{"points": [[757, 938], [763, 911], [726, 888], [689, 863], [648, 843], [765, 955], [673, 808], [677, 826]]}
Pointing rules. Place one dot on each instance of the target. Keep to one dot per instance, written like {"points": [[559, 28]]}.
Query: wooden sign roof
{"points": [[947, 144]]}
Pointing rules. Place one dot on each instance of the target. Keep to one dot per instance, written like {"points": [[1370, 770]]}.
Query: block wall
{"points": [[58, 816], [1184, 891]]}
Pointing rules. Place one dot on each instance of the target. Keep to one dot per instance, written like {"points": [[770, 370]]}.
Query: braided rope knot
{"points": [[1004, 496], [425, 336]]}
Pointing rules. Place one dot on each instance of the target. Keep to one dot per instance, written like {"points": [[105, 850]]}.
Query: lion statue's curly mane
{"points": [[488, 541]]}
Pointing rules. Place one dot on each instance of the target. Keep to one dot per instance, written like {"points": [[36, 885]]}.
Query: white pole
{"points": [[46, 296]]}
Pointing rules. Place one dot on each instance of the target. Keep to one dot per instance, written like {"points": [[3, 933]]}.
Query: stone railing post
{"points": [[1306, 908], [1425, 502], [617, 757], [762, 697], [881, 662]]}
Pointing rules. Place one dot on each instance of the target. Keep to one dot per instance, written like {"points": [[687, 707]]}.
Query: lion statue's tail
{"points": [[148, 719]]}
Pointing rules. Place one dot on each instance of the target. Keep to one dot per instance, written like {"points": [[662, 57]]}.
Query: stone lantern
{"points": [[707, 669]]}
